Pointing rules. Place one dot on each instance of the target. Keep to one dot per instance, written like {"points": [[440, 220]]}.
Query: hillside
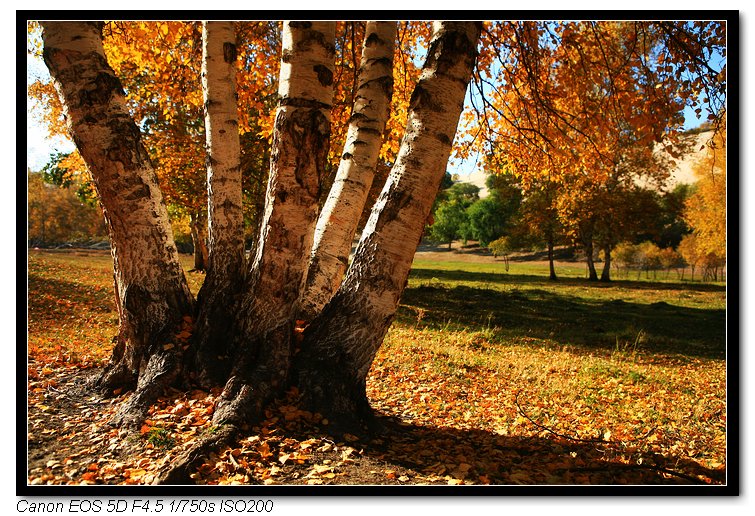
{"points": [[683, 173]]}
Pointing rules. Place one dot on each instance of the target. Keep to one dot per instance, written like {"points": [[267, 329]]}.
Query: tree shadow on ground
{"points": [[593, 324], [480, 456], [505, 278], [51, 294]]}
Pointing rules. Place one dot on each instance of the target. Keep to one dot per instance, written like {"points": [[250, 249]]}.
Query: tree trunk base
{"points": [[261, 374], [342, 400], [162, 371], [115, 376], [179, 471]]}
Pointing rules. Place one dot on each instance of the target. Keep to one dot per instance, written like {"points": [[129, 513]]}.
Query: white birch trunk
{"points": [[298, 158], [341, 342], [215, 317], [151, 290], [340, 215], [225, 217]]}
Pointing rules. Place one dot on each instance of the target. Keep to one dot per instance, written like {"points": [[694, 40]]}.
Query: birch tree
{"points": [[151, 292], [341, 343], [266, 314], [224, 194], [340, 215]]}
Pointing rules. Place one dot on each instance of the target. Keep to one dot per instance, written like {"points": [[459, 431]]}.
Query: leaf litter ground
{"points": [[463, 398]]}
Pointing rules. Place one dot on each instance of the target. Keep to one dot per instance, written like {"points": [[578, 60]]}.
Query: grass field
{"points": [[633, 371]]}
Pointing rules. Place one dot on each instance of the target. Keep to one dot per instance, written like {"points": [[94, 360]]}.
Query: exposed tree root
{"points": [[261, 375], [117, 375], [161, 372], [179, 471]]}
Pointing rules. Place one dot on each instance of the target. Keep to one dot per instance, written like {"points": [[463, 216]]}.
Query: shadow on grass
{"points": [[56, 296], [493, 277], [483, 456], [593, 324]]}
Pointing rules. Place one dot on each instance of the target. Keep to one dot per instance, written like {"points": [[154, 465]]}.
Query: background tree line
{"points": [[643, 228]]}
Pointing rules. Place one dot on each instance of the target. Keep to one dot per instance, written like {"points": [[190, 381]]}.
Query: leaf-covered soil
{"points": [[573, 387]]}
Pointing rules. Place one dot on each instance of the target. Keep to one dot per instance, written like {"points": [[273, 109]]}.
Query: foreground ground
{"points": [[486, 377]]}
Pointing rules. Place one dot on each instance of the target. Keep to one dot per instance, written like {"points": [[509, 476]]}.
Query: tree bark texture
{"points": [[224, 206], [225, 216], [589, 248], [198, 226], [340, 344], [271, 293], [551, 265], [151, 291], [340, 215], [605, 274]]}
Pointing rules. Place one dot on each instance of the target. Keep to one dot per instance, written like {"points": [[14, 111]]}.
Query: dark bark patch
{"points": [[308, 131], [370, 130], [422, 99], [346, 155], [126, 147], [229, 52], [312, 38], [300, 102], [443, 138], [372, 39], [141, 192], [452, 46], [300, 24], [100, 90], [384, 83], [324, 75], [356, 115], [384, 61], [136, 299], [396, 201]]}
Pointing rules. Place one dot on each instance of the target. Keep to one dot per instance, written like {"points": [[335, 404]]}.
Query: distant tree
{"points": [[712, 266], [648, 258], [705, 209], [690, 252], [503, 246], [538, 215], [671, 226], [625, 212], [625, 255], [58, 215], [441, 197], [493, 216], [487, 220], [449, 219], [449, 222], [466, 193], [670, 259]]}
